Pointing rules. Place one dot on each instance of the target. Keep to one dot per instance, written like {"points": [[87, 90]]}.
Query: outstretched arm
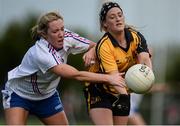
{"points": [[70, 72]]}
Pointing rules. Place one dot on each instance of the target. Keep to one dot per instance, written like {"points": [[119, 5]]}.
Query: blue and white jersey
{"points": [[31, 79]]}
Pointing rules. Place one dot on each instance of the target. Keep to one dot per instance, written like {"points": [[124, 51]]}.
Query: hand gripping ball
{"points": [[139, 78]]}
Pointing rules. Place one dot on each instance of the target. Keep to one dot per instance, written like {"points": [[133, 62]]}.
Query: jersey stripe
{"points": [[34, 83], [99, 44], [53, 52], [76, 37]]}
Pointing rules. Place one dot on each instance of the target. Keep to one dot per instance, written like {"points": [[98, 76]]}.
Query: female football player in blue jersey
{"points": [[31, 86], [120, 47]]}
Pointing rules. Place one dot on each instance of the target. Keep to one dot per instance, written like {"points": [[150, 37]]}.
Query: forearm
{"points": [[146, 61], [91, 45], [90, 55], [143, 58], [91, 77], [70, 72]]}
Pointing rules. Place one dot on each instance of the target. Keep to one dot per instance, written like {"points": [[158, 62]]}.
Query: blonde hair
{"points": [[131, 27], [42, 24]]}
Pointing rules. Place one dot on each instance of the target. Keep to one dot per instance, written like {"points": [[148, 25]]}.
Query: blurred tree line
{"points": [[16, 40], [173, 67], [167, 55]]}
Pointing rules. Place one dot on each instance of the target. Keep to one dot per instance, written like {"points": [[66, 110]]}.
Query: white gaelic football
{"points": [[139, 78]]}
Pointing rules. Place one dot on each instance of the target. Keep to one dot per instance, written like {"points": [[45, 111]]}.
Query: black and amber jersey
{"points": [[112, 57]]}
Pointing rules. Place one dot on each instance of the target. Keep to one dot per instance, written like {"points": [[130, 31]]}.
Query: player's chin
{"points": [[119, 29], [59, 45]]}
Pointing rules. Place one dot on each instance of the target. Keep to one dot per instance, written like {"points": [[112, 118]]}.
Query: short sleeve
{"points": [[142, 46], [107, 59], [75, 44]]}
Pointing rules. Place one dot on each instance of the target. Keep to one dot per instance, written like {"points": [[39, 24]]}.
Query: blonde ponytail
{"points": [[34, 33]]}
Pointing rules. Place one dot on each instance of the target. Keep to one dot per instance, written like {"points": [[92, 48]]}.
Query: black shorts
{"points": [[97, 97]]}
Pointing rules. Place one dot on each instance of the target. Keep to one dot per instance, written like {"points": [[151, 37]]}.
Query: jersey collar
{"points": [[48, 44], [128, 36]]}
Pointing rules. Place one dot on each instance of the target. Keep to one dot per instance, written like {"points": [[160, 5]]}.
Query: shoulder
{"points": [[104, 45], [71, 35], [139, 41], [137, 34], [74, 37], [41, 49], [104, 41], [43, 52]]}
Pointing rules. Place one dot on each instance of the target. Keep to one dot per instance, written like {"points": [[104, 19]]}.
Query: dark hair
{"points": [[104, 10]]}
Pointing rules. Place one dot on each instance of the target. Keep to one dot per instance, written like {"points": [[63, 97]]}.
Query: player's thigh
{"points": [[16, 116], [120, 120], [101, 116], [56, 119]]}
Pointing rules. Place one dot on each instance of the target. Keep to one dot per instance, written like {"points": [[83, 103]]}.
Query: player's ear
{"points": [[105, 25]]}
